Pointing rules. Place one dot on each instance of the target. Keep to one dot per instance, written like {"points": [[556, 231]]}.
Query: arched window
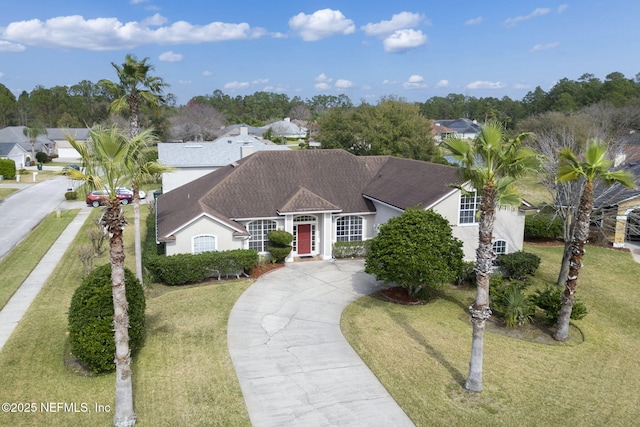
{"points": [[349, 228], [259, 230], [204, 243], [500, 247]]}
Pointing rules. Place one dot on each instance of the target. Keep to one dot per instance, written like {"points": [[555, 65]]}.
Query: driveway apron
{"points": [[294, 366]]}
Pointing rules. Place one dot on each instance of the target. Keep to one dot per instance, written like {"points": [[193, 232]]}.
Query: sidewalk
{"points": [[19, 303], [294, 365]]}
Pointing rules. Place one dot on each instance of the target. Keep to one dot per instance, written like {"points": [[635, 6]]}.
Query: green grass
{"points": [[533, 191], [182, 376], [16, 266], [421, 355], [6, 192]]}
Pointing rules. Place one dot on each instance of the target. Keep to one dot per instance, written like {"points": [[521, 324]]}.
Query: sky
{"points": [[365, 49]]}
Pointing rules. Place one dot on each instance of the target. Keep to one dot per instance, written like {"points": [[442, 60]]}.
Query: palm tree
{"points": [[140, 170], [490, 164], [595, 167], [136, 86], [32, 133], [105, 157]]}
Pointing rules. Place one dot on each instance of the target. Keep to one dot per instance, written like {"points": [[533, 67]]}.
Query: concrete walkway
{"points": [[634, 248], [294, 366], [19, 303]]}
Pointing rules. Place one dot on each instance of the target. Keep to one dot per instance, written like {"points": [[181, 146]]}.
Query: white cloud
{"points": [[442, 83], [415, 82], [512, 22], [322, 78], [207, 73], [101, 34], [562, 8], [6, 46], [1, 75], [322, 86], [403, 40], [389, 82], [321, 24], [398, 21], [170, 57], [521, 86], [236, 85], [184, 82], [540, 47], [343, 84], [483, 84], [474, 21]]}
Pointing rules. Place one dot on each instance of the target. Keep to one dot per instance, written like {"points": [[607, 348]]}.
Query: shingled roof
{"points": [[267, 184]]}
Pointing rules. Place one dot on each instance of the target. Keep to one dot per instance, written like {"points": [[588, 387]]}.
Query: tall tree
{"points": [[593, 168], [490, 164], [105, 156], [32, 132], [135, 87]]}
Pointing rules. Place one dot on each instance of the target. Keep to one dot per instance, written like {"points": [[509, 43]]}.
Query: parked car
{"points": [[66, 168], [96, 198], [142, 193]]}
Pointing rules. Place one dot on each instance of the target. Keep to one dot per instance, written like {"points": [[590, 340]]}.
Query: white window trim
{"points": [[362, 228], [506, 246], [265, 237], [193, 242], [475, 211]]}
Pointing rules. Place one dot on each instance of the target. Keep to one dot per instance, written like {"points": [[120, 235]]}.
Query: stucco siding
{"points": [[184, 238]]}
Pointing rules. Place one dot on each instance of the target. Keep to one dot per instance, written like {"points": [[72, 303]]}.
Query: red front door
{"points": [[304, 239]]}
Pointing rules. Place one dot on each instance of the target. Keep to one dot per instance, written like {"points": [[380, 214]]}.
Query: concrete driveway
{"points": [[294, 366]]}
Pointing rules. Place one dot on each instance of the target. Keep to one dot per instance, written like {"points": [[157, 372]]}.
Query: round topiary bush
{"points": [[91, 319], [42, 157]]}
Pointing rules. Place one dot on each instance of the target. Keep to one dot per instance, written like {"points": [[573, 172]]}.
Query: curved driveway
{"points": [[294, 366]]}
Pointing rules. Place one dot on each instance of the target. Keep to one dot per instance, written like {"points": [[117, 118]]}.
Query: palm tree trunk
{"points": [[124, 414], [480, 310], [580, 237], [136, 226]]}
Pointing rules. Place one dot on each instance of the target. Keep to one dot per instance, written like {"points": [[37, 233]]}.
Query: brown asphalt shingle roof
{"points": [[266, 183]]}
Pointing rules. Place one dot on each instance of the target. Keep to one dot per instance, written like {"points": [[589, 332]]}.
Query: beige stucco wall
{"points": [[204, 225]]}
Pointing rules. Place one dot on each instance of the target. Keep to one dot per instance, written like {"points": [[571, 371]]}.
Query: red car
{"points": [[99, 197]]}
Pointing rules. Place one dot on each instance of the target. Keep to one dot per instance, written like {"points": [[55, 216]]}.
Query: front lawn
{"points": [[421, 354]]}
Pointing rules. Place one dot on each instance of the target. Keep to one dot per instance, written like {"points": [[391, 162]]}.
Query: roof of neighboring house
{"points": [[6, 147], [60, 134], [16, 134], [222, 151], [267, 184], [462, 126], [286, 128], [235, 130], [611, 196], [437, 128]]}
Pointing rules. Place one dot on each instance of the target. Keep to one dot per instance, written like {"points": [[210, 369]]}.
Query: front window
{"points": [[349, 229], [259, 230], [205, 243], [469, 204]]}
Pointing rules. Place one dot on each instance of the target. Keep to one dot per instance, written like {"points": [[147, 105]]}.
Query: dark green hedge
{"points": [[181, 269], [91, 319], [519, 265], [8, 168], [354, 249], [542, 226]]}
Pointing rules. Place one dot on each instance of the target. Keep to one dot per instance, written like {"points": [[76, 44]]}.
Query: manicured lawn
{"points": [[16, 266], [6, 192], [182, 376], [421, 355]]}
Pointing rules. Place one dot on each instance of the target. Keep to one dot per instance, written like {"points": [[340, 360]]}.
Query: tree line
{"points": [[87, 103]]}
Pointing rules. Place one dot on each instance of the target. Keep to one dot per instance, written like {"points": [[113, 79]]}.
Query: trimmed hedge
{"points": [[543, 226], [182, 269], [355, 249], [42, 157], [91, 319], [519, 265], [8, 168], [279, 245]]}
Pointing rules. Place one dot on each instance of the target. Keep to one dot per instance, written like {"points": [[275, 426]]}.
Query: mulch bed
{"points": [[400, 295], [261, 269]]}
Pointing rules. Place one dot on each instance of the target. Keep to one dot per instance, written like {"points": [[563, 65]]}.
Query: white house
{"points": [[320, 196], [13, 151]]}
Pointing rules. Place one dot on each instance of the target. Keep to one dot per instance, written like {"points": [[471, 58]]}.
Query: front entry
{"points": [[304, 239]]}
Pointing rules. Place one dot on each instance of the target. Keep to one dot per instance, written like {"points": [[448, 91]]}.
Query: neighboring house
{"points": [[440, 132], [287, 129], [320, 196], [13, 151], [463, 128], [192, 160], [53, 142], [63, 148]]}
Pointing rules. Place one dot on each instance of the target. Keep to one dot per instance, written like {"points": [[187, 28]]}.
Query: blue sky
{"points": [[362, 48]]}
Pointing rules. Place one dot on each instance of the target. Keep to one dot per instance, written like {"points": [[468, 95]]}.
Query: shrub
{"points": [[467, 273], [71, 195], [42, 157], [8, 168], [543, 226], [181, 269], [519, 265], [415, 250], [355, 249], [91, 319], [279, 245], [513, 305], [550, 300]]}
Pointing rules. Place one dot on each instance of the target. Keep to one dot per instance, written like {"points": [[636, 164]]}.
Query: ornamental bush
{"points": [[42, 157], [543, 226], [91, 319], [8, 168], [279, 245], [550, 300], [519, 265], [415, 250]]}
